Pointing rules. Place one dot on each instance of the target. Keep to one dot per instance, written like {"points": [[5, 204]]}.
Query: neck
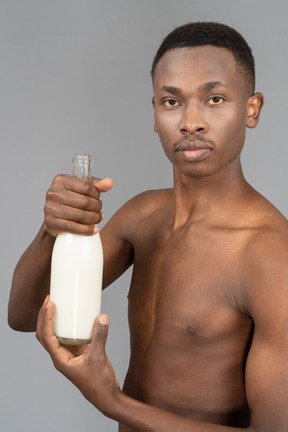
{"points": [[208, 198]]}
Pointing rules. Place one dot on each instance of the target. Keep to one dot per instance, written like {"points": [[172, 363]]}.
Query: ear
{"points": [[153, 103], [254, 107]]}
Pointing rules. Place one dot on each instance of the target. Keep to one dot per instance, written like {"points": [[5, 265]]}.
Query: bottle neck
{"points": [[82, 166]]}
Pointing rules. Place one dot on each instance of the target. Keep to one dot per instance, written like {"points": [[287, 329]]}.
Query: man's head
{"points": [[204, 97], [215, 34]]}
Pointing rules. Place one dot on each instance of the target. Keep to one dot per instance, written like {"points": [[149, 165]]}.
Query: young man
{"points": [[208, 303]]}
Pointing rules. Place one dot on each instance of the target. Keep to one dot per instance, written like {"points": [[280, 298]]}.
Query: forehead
{"points": [[196, 66]]}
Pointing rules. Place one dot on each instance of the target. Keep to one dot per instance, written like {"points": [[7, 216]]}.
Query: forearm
{"points": [[91, 372], [142, 417], [30, 282]]}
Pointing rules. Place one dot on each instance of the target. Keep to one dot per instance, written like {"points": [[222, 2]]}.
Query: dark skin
{"points": [[208, 302]]}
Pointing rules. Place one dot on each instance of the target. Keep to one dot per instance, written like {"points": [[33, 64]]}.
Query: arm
{"points": [[30, 282], [266, 369], [72, 205], [267, 365], [91, 372]]}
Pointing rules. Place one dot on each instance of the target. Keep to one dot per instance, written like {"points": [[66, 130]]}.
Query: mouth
{"points": [[193, 150]]}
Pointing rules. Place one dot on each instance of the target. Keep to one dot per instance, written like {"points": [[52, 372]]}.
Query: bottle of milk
{"points": [[76, 276]]}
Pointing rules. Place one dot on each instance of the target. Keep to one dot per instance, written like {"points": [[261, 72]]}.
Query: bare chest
{"points": [[187, 284], [185, 324]]}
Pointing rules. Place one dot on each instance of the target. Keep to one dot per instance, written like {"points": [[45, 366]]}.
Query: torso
{"points": [[190, 331]]}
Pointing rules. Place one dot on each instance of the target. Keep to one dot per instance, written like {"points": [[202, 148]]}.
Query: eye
{"points": [[215, 100], [170, 103]]}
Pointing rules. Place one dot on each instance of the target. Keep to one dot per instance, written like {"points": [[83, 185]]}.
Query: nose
{"points": [[192, 119]]}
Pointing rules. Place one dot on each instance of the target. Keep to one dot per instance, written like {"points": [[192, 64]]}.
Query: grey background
{"points": [[74, 78]]}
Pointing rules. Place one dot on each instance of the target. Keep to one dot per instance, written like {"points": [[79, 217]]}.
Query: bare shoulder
{"points": [[148, 202], [132, 223], [146, 207], [269, 231], [265, 257]]}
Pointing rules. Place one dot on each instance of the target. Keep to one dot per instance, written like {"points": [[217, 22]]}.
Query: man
{"points": [[208, 303]]}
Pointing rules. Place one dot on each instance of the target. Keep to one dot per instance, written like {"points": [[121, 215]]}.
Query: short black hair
{"points": [[211, 33]]}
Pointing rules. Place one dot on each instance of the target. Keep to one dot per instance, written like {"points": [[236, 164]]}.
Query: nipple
{"points": [[191, 330]]}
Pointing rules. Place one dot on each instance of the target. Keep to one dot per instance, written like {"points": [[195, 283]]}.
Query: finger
{"points": [[59, 218], [77, 350], [103, 185], [60, 355], [40, 320], [76, 214], [45, 331], [71, 227], [99, 337], [79, 185], [74, 200], [63, 185], [82, 186]]}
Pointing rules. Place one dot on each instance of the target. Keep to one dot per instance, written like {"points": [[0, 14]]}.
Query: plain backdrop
{"points": [[75, 78]]}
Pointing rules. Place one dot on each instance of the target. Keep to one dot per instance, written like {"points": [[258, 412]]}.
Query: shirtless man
{"points": [[208, 303]]}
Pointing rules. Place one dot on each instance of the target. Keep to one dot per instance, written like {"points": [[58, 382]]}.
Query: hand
{"points": [[73, 205], [89, 369]]}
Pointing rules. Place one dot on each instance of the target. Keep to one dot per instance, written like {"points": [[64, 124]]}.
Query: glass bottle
{"points": [[76, 276]]}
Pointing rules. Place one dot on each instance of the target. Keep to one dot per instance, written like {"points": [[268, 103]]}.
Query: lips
{"points": [[193, 145], [193, 150]]}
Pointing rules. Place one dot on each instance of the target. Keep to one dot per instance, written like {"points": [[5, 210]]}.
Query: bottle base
{"points": [[67, 341]]}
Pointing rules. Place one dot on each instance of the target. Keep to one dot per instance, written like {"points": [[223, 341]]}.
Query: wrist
{"points": [[44, 242], [113, 405], [45, 231], [124, 409]]}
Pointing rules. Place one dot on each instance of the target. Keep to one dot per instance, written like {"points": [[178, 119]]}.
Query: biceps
{"points": [[118, 256], [267, 385]]}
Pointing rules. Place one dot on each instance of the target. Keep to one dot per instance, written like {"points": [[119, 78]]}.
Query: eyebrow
{"points": [[206, 86], [174, 90], [211, 85]]}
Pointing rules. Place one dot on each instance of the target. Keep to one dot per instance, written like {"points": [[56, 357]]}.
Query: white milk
{"points": [[76, 286]]}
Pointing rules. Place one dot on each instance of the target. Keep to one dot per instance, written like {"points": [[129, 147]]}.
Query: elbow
{"points": [[21, 324], [13, 324]]}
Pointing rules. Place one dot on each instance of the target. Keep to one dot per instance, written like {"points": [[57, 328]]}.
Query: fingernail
{"points": [[95, 229], [104, 319], [46, 301]]}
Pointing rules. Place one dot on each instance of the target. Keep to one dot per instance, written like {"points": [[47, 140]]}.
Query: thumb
{"points": [[103, 185], [99, 337]]}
